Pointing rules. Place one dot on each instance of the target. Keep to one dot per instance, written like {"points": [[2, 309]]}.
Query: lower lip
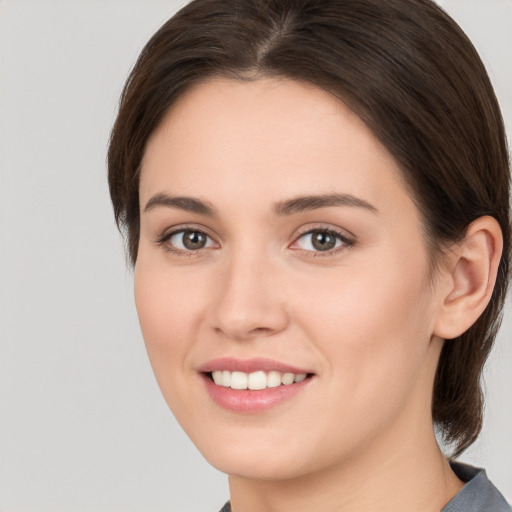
{"points": [[249, 401]]}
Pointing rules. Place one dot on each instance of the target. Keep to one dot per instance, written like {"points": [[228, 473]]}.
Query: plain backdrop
{"points": [[83, 426]]}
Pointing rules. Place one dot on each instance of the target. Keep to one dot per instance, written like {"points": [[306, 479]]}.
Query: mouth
{"points": [[253, 386], [255, 381]]}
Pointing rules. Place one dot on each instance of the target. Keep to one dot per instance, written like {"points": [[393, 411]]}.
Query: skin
{"points": [[364, 318]]}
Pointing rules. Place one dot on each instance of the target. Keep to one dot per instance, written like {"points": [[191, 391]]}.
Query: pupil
{"points": [[193, 240], [323, 241]]}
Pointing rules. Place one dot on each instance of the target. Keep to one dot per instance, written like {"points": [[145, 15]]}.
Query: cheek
{"points": [[365, 306], [168, 308], [373, 329]]}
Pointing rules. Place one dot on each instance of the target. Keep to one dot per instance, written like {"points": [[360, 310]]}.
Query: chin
{"points": [[256, 467], [264, 455]]}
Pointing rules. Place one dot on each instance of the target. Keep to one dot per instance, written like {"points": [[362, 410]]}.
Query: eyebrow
{"points": [[281, 208], [314, 202], [189, 204]]}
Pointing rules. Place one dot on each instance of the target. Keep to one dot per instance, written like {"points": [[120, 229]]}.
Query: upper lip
{"points": [[249, 365]]}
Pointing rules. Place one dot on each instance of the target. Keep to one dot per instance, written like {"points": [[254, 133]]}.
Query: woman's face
{"points": [[277, 238]]}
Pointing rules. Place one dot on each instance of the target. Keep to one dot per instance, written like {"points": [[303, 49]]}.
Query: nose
{"points": [[250, 302]]}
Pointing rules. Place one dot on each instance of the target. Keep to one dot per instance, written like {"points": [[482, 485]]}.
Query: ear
{"points": [[468, 279]]}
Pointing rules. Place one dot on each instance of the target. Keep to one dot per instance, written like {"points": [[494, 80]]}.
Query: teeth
{"points": [[226, 379], [273, 379], [255, 380], [239, 380], [287, 378]]}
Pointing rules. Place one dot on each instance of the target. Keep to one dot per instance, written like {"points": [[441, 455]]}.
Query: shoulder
{"points": [[478, 495]]}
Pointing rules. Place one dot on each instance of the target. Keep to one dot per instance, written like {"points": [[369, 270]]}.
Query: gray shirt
{"points": [[478, 495]]}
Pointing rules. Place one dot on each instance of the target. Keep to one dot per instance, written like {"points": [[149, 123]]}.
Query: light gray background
{"points": [[83, 426]]}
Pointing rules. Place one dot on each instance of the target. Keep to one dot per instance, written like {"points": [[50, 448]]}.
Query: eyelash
{"points": [[346, 242], [165, 237]]}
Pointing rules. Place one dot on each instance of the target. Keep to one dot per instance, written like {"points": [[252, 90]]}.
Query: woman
{"points": [[316, 200]]}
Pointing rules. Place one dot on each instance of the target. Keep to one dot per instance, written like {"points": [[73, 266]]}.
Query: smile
{"points": [[254, 385], [256, 380]]}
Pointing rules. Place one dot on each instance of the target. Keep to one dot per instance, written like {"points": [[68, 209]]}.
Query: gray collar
{"points": [[478, 495]]}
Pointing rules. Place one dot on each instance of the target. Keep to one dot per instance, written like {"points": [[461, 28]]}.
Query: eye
{"points": [[187, 240], [321, 240]]}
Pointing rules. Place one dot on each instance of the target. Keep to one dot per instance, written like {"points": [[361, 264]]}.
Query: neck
{"points": [[401, 480]]}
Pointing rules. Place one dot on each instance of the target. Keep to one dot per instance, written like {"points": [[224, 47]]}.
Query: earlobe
{"points": [[469, 277]]}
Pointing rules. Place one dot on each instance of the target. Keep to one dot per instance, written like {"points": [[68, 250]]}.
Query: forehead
{"points": [[269, 137]]}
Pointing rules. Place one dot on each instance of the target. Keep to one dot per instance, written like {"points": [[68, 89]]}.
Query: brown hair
{"points": [[411, 75]]}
